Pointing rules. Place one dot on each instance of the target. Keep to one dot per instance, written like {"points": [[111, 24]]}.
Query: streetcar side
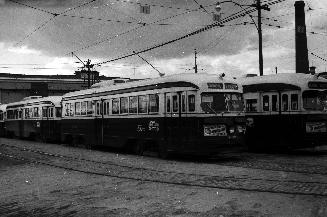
{"points": [[35, 118], [165, 115], [2, 119], [286, 111]]}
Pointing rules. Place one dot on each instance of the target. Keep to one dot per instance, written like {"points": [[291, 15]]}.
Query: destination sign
{"points": [[215, 85], [231, 86], [318, 85]]}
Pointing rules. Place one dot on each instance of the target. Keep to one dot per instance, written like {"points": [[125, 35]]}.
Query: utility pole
{"points": [[195, 65], [88, 66], [258, 6], [260, 38]]}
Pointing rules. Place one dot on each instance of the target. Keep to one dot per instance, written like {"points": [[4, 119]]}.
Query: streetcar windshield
{"points": [[315, 100], [221, 102]]}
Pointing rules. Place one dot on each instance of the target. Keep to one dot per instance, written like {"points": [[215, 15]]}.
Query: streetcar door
{"points": [[175, 118]]}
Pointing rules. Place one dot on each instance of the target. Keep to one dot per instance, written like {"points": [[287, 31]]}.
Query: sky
{"points": [[39, 36]]}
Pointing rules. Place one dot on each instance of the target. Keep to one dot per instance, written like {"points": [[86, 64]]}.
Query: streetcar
{"points": [[285, 111], [183, 113], [34, 117], [2, 119]]}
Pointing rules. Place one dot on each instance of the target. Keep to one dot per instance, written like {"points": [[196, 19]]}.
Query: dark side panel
{"points": [[45, 130], [286, 130], [183, 135]]}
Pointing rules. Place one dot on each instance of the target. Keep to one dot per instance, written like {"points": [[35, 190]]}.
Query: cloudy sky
{"points": [[38, 37]]}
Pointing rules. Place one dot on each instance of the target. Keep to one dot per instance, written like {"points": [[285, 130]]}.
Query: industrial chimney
{"points": [[301, 47]]}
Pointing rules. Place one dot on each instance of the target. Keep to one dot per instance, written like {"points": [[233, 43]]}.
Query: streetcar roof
{"points": [[182, 80], [3, 107], [282, 81], [54, 100]]}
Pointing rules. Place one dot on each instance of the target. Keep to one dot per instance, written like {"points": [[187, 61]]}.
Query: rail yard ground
{"points": [[39, 179]]}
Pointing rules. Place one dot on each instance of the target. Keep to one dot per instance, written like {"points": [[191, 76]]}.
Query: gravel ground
{"points": [[37, 190]]}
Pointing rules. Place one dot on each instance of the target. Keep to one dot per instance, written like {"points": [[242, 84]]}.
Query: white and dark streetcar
{"points": [[2, 119], [34, 118], [285, 111], [184, 113]]}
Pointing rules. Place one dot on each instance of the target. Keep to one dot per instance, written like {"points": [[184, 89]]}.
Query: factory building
{"points": [[14, 87]]}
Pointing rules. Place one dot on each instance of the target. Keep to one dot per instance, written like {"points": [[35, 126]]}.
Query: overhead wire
{"points": [[201, 6], [132, 30], [319, 57], [54, 15], [208, 27], [235, 16], [153, 5]]}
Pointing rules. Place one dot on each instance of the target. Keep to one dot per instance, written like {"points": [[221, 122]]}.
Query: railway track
{"points": [[281, 165], [111, 169]]}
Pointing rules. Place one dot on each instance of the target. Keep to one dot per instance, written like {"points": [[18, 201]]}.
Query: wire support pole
{"points": [[260, 38]]}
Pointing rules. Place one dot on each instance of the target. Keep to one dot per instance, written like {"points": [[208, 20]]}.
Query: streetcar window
{"points": [[220, 102], [315, 100], [20, 114], [115, 106], [274, 103], [104, 105], [183, 103], [133, 104], [191, 103], [265, 103], [143, 104], [90, 110], [168, 104], [27, 114], [9, 114], [153, 103], [108, 108], [44, 112], [175, 103], [294, 101], [285, 102], [67, 109], [51, 112], [98, 108], [30, 111], [251, 105], [58, 112], [123, 105], [36, 112], [83, 108], [71, 110], [77, 108]]}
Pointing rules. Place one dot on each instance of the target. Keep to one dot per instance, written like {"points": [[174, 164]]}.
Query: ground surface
{"points": [[30, 189]]}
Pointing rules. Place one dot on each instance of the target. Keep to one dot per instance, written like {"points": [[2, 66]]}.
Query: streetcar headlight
{"points": [[315, 127], [231, 130], [214, 130]]}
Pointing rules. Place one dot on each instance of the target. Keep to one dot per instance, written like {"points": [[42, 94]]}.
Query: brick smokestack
{"points": [[301, 47]]}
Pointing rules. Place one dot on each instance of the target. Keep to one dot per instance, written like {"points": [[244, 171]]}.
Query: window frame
{"points": [[190, 102]]}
